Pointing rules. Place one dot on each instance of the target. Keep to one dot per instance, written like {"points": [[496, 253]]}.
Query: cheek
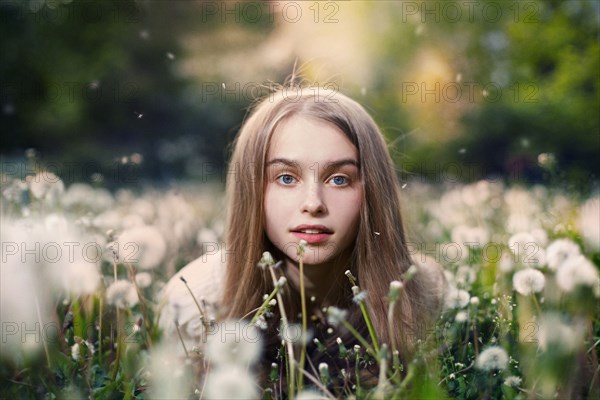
{"points": [[274, 208]]}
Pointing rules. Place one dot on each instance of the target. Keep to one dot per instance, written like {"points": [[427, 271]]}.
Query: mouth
{"points": [[312, 233]]}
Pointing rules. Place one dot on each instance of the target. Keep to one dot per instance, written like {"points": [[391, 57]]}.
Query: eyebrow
{"points": [[329, 165]]}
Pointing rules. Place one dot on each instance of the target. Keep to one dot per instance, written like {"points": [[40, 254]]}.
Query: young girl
{"points": [[310, 164]]}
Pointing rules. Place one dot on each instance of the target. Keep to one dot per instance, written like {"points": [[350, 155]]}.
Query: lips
{"points": [[312, 233]]}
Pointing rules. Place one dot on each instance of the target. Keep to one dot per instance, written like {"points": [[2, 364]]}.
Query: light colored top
{"points": [[205, 277]]}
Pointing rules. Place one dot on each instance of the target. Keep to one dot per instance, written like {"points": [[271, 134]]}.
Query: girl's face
{"points": [[313, 191]]}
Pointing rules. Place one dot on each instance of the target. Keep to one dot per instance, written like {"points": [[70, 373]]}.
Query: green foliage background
{"points": [[88, 82]]}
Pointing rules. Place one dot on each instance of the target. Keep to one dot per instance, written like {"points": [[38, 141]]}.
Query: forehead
{"points": [[308, 139]]}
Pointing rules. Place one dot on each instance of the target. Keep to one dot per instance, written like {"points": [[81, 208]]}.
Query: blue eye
{"points": [[339, 180], [286, 179]]}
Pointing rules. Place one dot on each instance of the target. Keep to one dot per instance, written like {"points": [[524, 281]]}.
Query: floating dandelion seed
{"points": [[223, 85], [139, 115], [170, 56], [404, 185]]}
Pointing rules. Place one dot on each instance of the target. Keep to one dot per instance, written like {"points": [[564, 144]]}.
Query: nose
{"points": [[313, 202]]}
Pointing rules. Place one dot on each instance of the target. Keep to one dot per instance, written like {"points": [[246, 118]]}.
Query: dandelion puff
{"points": [[168, 377], [577, 270], [492, 358], [358, 296], [143, 279], [233, 342], [143, 246], [520, 243], [466, 275], [75, 352], [559, 251], [45, 186], [335, 315], [456, 298], [528, 281], [461, 316], [556, 333], [121, 294], [513, 381]]}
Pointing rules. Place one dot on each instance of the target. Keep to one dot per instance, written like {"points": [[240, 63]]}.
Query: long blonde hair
{"points": [[381, 254]]}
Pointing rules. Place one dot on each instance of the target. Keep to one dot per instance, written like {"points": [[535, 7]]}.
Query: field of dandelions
{"points": [[83, 268]]}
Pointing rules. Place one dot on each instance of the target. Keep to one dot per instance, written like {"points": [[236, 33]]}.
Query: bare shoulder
{"points": [[205, 279]]}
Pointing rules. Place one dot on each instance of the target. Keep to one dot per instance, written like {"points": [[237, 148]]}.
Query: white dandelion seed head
{"points": [[359, 297], [456, 298], [335, 315], [461, 316], [474, 301], [261, 323], [143, 246], [528, 281], [576, 270], [540, 236], [75, 352], [233, 343], [168, 378], [513, 381], [85, 196], [506, 262], [45, 186], [589, 216], [143, 279], [560, 251], [556, 333], [122, 294], [465, 275], [470, 236], [492, 358], [520, 243]]}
